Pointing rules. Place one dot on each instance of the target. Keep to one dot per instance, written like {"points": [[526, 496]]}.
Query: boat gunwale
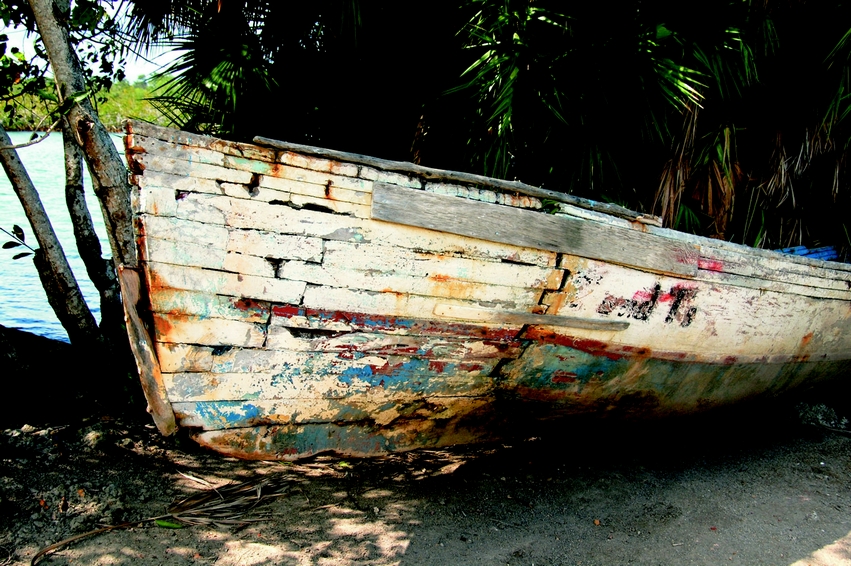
{"points": [[624, 216]]}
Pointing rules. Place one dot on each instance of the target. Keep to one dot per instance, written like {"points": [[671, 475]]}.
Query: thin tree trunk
{"points": [[108, 172], [63, 292], [100, 271]]}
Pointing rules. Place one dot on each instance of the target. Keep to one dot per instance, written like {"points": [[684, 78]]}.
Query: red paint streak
{"points": [[439, 277], [730, 360], [710, 264], [593, 347], [564, 377], [806, 340], [437, 366]]}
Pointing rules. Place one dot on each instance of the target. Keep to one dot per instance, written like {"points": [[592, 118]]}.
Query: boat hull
{"points": [[292, 304]]}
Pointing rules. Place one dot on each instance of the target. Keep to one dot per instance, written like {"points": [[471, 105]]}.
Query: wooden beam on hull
{"points": [[562, 234], [143, 350]]}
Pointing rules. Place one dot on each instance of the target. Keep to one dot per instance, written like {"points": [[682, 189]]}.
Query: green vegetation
{"points": [[36, 111]]}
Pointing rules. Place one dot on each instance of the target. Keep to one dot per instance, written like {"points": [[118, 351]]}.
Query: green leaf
{"points": [[9, 245], [166, 524], [18, 233], [20, 255]]}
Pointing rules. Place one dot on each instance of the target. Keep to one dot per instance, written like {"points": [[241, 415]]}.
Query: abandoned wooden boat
{"points": [[294, 300]]}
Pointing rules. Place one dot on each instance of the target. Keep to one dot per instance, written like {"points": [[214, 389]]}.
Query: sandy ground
{"points": [[753, 486]]}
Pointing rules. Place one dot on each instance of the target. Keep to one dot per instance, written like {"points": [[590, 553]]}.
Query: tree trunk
{"points": [[109, 175], [63, 292], [100, 271]]}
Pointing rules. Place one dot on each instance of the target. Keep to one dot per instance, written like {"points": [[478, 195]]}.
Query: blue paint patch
{"points": [[551, 366]]}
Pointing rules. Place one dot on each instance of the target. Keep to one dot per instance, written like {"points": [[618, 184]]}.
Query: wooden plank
{"points": [[387, 304], [173, 165], [767, 285], [218, 415], [395, 260], [299, 317], [533, 229], [277, 177], [142, 345], [136, 130], [207, 331], [429, 347], [187, 152], [329, 190], [362, 439], [223, 283], [275, 246], [511, 317], [318, 164], [376, 280], [181, 230], [184, 357], [177, 183], [206, 305], [338, 207], [246, 214], [774, 269], [193, 255], [484, 195], [410, 169], [314, 376]]}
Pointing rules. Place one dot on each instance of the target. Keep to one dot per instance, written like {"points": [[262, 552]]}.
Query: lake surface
{"points": [[23, 303]]}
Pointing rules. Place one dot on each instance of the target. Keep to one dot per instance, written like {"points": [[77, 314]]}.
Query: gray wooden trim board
{"points": [[459, 177], [521, 227]]}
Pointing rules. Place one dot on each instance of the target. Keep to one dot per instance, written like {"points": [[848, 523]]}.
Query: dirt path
{"points": [[751, 487]]}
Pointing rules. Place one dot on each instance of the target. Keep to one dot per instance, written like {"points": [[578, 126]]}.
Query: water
{"points": [[23, 303]]}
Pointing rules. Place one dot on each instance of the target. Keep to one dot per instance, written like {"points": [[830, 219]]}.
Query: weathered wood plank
{"points": [[328, 191], [338, 207], [318, 164], [374, 279], [246, 214], [137, 130], [484, 195], [395, 260], [218, 415], [300, 375], [429, 347], [388, 304], [503, 317], [384, 166], [347, 321], [187, 152], [774, 269], [176, 358], [142, 345], [207, 305], [177, 183], [193, 255], [276, 246], [289, 442], [223, 283], [533, 229], [768, 285], [181, 230], [278, 177], [174, 166], [208, 331]]}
